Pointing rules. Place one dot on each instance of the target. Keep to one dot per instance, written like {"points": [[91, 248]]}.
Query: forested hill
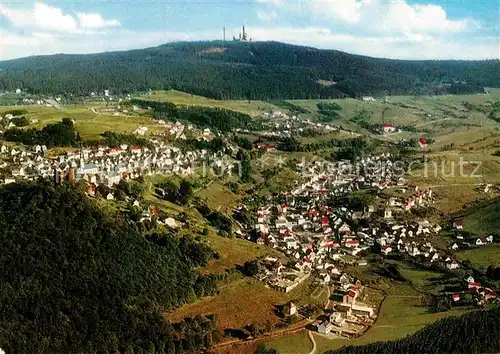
{"points": [[77, 280], [234, 70]]}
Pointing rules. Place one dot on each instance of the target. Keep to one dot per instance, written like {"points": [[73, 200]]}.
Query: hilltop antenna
{"points": [[224, 34]]}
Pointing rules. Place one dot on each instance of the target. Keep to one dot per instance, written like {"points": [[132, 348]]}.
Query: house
{"points": [[345, 229], [470, 279], [452, 265], [110, 196], [359, 310], [454, 247], [422, 142], [283, 208], [289, 309], [455, 297], [481, 241], [458, 225], [368, 99], [389, 128], [387, 214], [325, 327], [386, 249], [352, 243], [171, 223], [473, 285]]}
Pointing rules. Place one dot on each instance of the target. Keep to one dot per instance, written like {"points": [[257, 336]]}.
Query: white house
{"points": [[389, 128], [325, 327], [458, 225]]}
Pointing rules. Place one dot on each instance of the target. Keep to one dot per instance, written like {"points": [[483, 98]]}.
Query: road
{"points": [[315, 347], [328, 305]]}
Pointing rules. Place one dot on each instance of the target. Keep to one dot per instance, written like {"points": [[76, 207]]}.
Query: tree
{"points": [[251, 268]]}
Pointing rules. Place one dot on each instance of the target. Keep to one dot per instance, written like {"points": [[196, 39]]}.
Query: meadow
{"points": [[90, 123]]}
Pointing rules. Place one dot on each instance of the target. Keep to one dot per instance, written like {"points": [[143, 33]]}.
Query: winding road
{"points": [[310, 333]]}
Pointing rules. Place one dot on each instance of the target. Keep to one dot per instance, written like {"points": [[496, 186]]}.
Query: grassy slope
{"points": [[243, 301], [89, 124], [252, 108]]}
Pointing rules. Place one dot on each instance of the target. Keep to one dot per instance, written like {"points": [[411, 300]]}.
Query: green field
{"points": [[484, 220], [89, 124], [400, 315], [481, 256]]}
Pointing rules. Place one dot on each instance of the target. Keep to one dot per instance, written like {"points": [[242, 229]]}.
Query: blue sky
{"points": [[406, 29]]}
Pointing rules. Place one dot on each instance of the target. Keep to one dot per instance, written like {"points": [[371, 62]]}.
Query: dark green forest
{"points": [[476, 332], [75, 280], [260, 70]]}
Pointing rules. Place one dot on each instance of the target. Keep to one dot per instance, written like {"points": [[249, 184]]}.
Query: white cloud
{"points": [[48, 18], [395, 16], [95, 21], [383, 46], [387, 46], [348, 11], [402, 17], [266, 15]]}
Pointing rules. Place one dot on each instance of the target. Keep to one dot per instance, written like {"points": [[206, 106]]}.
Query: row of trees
{"points": [[328, 111], [347, 149], [52, 135]]}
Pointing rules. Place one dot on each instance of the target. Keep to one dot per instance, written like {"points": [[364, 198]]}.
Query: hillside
{"points": [[232, 70], [76, 280]]}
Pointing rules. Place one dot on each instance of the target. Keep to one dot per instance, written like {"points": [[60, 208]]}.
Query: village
{"points": [[319, 239], [318, 236]]}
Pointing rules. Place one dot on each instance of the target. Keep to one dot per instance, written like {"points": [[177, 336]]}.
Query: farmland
{"points": [[90, 121]]}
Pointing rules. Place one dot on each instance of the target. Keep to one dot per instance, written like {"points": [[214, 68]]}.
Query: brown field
{"points": [[244, 301]]}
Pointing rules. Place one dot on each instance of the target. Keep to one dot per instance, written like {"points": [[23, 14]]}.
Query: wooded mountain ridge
{"points": [[237, 70]]}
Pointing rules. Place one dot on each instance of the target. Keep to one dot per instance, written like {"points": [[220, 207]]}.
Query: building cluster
{"points": [[279, 124], [481, 295], [319, 237], [350, 315], [99, 165]]}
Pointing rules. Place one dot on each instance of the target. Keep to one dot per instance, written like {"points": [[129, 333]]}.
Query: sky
{"points": [[401, 29]]}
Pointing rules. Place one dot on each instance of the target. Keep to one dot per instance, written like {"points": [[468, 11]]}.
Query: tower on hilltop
{"points": [[242, 36]]}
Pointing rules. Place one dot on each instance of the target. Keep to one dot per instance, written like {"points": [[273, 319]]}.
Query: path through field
{"points": [[315, 347]]}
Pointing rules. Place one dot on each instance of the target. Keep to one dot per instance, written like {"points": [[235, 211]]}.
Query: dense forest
{"points": [[75, 280], [476, 332], [260, 70]]}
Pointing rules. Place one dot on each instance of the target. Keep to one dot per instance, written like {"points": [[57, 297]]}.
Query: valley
{"points": [[275, 197]]}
